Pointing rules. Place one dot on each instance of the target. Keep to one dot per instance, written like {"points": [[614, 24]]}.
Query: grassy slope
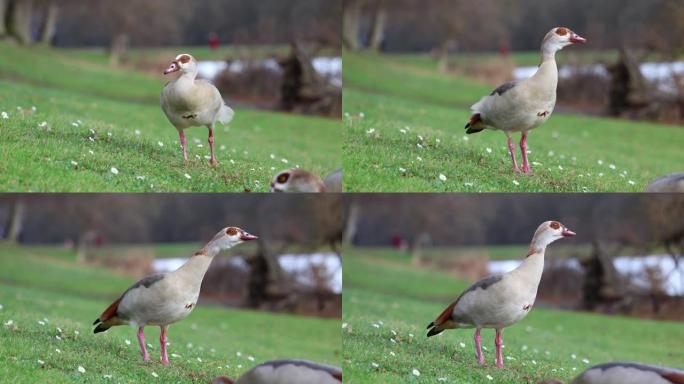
{"points": [[65, 89], [385, 95], [35, 285], [404, 300]]}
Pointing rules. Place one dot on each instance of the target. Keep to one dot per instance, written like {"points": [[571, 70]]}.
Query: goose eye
{"points": [[555, 225], [231, 231], [561, 31], [282, 178], [184, 59]]}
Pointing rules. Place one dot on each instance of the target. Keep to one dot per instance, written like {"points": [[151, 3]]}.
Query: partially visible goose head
{"points": [[560, 37], [547, 233], [229, 237], [184, 63], [297, 180]]}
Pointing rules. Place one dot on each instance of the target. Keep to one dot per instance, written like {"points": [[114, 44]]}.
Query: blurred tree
{"points": [[49, 23], [20, 14]]}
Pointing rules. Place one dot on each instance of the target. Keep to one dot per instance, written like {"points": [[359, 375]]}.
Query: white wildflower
{"points": [[159, 143], [199, 359], [140, 177], [442, 177], [107, 376], [273, 156], [344, 325], [154, 374], [585, 361], [128, 342], [91, 152], [238, 353], [489, 150], [489, 377], [402, 130], [284, 160], [442, 379], [41, 322], [516, 182], [462, 344], [560, 167], [362, 115], [375, 365], [187, 176], [250, 358], [5, 115], [81, 369], [415, 372], [75, 124], [58, 350], [402, 169], [551, 153], [75, 164], [419, 158], [137, 132], [109, 134], [631, 182], [370, 131], [468, 184], [41, 362], [376, 325], [114, 171]]}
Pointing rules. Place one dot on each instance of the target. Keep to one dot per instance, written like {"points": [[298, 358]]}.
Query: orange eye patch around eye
{"points": [[561, 31], [282, 178], [555, 225], [232, 231]]}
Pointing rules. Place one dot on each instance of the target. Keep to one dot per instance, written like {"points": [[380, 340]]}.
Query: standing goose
{"points": [[520, 106], [499, 301], [188, 102], [166, 298], [287, 372]]}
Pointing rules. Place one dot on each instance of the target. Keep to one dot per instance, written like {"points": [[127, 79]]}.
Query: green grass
{"points": [[404, 128], [122, 126], [36, 283], [401, 301]]}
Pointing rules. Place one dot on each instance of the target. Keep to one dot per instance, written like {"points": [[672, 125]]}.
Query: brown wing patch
{"points": [[232, 231], [110, 311], [555, 225], [561, 31], [674, 377], [446, 314], [184, 58]]}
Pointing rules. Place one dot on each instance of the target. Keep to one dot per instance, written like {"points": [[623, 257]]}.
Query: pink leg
{"points": [[478, 347], [211, 145], [141, 341], [162, 344], [511, 150], [181, 134], [523, 148], [498, 341]]}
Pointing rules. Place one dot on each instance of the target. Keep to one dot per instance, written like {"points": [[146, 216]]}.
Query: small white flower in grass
{"points": [[159, 143], [207, 157], [75, 164], [419, 145], [43, 124], [489, 377], [536, 163], [91, 152], [573, 356], [92, 131], [510, 358], [197, 157], [41, 322], [415, 372], [392, 353], [442, 177], [140, 177], [524, 348], [114, 170], [1, 307], [560, 167], [91, 139], [462, 344], [631, 182], [442, 379], [200, 145], [344, 325], [222, 147], [81, 369], [612, 166], [137, 132], [107, 376], [516, 182], [128, 342], [57, 337], [362, 115], [238, 354], [175, 355], [41, 362], [551, 153], [75, 124], [585, 361], [402, 169], [370, 131], [250, 358], [534, 362], [410, 334], [149, 345], [380, 322], [77, 333], [600, 174], [600, 162], [58, 350], [402, 130], [376, 325], [45, 319], [109, 134], [284, 161], [154, 374], [489, 150], [438, 141], [420, 138], [547, 353], [483, 347], [419, 158], [273, 156], [198, 359], [233, 162], [5, 115], [393, 332], [187, 176], [239, 366], [375, 365], [393, 341], [574, 368]]}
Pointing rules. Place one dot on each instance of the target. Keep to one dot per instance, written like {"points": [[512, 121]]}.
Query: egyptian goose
{"points": [[669, 183], [629, 373], [520, 106], [188, 102], [499, 301], [297, 180], [287, 372], [166, 298]]}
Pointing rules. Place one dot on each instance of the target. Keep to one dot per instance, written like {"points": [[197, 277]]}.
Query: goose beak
{"points": [[568, 233], [247, 237], [173, 67], [577, 39]]}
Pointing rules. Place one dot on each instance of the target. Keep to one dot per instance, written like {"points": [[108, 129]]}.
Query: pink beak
{"points": [[577, 39], [173, 67], [568, 233], [247, 237]]}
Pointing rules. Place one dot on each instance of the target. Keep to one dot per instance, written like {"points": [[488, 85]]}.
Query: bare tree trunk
{"points": [[21, 13], [378, 30], [118, 48], [351, 20], [3, 14], [49, 24], [16, 221]]}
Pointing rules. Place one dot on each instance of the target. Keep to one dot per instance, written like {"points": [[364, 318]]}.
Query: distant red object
{"points": [[213, 41], [504, 49]]}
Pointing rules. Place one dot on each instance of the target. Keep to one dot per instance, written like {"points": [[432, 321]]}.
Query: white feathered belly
{"points": [[156, 307]]}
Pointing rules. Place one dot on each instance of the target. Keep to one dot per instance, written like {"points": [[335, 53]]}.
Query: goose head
{"points": [[229, 237], [184, 63], [297, 180], [548, 232], [560, 37]]}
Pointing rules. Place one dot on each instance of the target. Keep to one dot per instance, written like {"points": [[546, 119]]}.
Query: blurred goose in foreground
{"points": [[287, 372], [188, 102], [499, 301], [520, 106], [299, 180], [621, 372], [669, 183], [166, 298]]}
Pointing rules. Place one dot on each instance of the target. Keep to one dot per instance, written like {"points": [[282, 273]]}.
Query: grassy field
{"points": [[387, 305], [404, 132], [48, 304], [95, 128]]}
